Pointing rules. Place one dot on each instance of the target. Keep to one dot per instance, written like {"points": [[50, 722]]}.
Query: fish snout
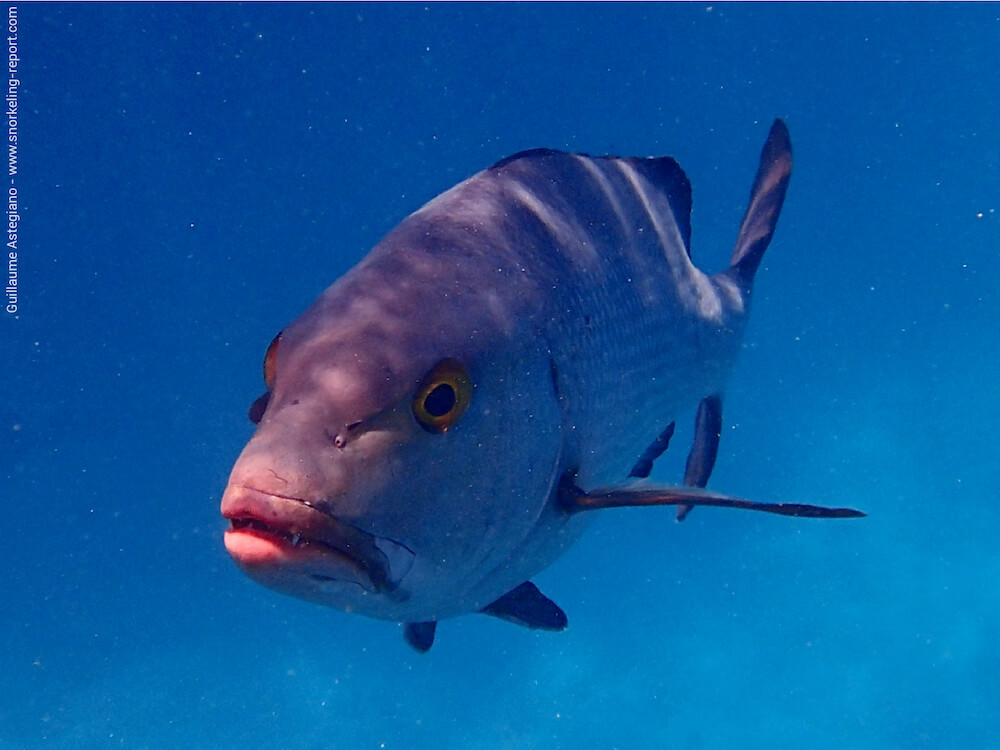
{"points": [[292, 516], [284, 462]]}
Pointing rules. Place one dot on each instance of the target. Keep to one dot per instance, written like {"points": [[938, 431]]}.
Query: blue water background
{"points": [[192, 176]]}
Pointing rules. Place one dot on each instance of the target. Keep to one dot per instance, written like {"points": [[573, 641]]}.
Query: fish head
{"points": [[407, 448]]}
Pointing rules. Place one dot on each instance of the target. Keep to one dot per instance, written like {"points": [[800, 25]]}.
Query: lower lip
{"points": [[259, 552], [261, 540], [254, 547]]}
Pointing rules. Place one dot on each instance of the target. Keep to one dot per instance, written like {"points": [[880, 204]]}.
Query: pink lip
{"points": [[269, 531]]}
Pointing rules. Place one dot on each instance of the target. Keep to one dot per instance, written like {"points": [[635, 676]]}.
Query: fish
{"points": [[438, 423]]}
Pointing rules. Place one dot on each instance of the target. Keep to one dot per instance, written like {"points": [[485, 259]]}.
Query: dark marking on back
{"points": [[666, 174], [530, 153], [661, 172]]}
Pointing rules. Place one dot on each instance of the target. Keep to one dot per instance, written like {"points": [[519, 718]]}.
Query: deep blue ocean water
{"points": [[192, 176]]}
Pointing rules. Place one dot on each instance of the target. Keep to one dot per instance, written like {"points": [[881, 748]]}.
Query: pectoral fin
{"points": [[528, 607], [575, 499], [420, 635]]}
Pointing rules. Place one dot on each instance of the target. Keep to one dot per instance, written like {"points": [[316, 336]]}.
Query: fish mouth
{"points": [[269, 532]]}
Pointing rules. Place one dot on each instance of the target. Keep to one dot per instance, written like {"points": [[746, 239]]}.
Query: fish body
{"points": [[436, 420]]}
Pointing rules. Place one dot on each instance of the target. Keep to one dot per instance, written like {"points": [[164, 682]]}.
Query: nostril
{"points": [[341, 438], [338, 440]]}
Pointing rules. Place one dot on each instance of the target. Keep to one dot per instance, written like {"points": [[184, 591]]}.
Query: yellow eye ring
{"points": [[442, 396], [270, 362]]}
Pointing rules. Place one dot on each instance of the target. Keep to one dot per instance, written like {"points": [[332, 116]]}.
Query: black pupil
{"points": [[440, 400]]}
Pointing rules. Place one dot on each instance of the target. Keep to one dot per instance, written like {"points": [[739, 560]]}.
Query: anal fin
{"points": [[525, 605]]}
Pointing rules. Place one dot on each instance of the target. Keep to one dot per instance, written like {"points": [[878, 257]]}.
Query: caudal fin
{"points": [[766, 197]]}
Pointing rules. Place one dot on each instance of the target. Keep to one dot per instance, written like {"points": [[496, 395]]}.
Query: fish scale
{"points": [[622, 318]]}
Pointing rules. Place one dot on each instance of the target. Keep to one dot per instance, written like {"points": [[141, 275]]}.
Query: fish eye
{"points": [[270, 361], [442, 396]]}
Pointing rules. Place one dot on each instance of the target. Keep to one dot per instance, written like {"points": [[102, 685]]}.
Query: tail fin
{"points": [[766, 197]]}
